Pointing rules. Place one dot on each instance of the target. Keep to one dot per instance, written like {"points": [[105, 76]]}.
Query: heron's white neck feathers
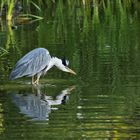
{"points": [[56, 62]]}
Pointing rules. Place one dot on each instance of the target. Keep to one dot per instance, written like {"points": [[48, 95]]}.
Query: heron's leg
{"points": [[38, 77], [33, 79]]}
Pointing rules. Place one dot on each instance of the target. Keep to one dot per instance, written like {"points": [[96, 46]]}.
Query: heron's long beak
{"points": [[70, 71]]}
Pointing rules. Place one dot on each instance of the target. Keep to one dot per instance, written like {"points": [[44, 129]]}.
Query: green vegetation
{"points": [[11, 9], [87, 18], [101, 40], [88, 7], [72, 25]]}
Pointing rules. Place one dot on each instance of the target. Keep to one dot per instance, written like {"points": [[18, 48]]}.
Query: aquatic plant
{"points": [[12, 8], [10, 5], [3, 51]]}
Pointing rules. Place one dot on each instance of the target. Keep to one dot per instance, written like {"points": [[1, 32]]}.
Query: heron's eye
{"points": [[65, 62]]}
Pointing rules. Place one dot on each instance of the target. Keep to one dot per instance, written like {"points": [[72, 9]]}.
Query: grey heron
{"points": [[36, 63]]}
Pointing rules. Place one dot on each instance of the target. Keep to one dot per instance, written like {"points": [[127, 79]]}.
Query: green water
{"points": [[101, 102]]}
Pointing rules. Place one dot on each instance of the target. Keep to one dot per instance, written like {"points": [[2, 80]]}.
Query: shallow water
{"points": [[101, 102], [64, 111]]}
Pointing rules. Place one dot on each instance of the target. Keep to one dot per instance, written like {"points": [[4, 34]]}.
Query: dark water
{"points": [[102, 102]]}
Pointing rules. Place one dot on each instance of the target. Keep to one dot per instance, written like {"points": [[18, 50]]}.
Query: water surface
{"points": [[101, 102]]}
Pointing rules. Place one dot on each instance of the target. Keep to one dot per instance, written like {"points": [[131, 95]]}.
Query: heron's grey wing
{"points": [[31, 64]]}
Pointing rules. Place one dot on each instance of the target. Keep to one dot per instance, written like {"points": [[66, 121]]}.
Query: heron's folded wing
{"points": [[32, 63]]}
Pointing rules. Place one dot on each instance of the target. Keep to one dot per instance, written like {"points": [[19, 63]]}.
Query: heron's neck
{"points": [[53, 62]]}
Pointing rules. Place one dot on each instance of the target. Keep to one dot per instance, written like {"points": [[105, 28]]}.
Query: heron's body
{"points": [[36, 63]]}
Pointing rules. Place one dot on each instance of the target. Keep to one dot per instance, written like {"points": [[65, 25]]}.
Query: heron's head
{"points": [[62, 64]]}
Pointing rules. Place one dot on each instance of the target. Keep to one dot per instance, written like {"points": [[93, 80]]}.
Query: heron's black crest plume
{"points": [[65, 62]]}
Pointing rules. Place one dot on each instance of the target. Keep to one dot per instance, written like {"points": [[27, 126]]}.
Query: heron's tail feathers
{"points": [[13, 76], [16, 73]]}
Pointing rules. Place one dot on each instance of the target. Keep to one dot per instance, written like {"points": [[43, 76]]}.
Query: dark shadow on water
{"points": [[37, 105]]}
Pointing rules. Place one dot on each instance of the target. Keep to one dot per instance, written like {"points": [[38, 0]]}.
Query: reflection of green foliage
{"points": [[100, 27], [1, 119], [3, 52], [101, 40], [86, 17]]}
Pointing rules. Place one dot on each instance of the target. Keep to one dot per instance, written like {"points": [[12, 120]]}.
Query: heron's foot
{"points": [[36, 82], [33, 83]]}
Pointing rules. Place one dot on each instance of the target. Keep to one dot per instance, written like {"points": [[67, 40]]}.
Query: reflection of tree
{"points": [[38, 106]]}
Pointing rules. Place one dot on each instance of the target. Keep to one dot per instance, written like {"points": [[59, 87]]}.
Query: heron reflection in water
{"points": [[36, 63], [38, 106]]}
